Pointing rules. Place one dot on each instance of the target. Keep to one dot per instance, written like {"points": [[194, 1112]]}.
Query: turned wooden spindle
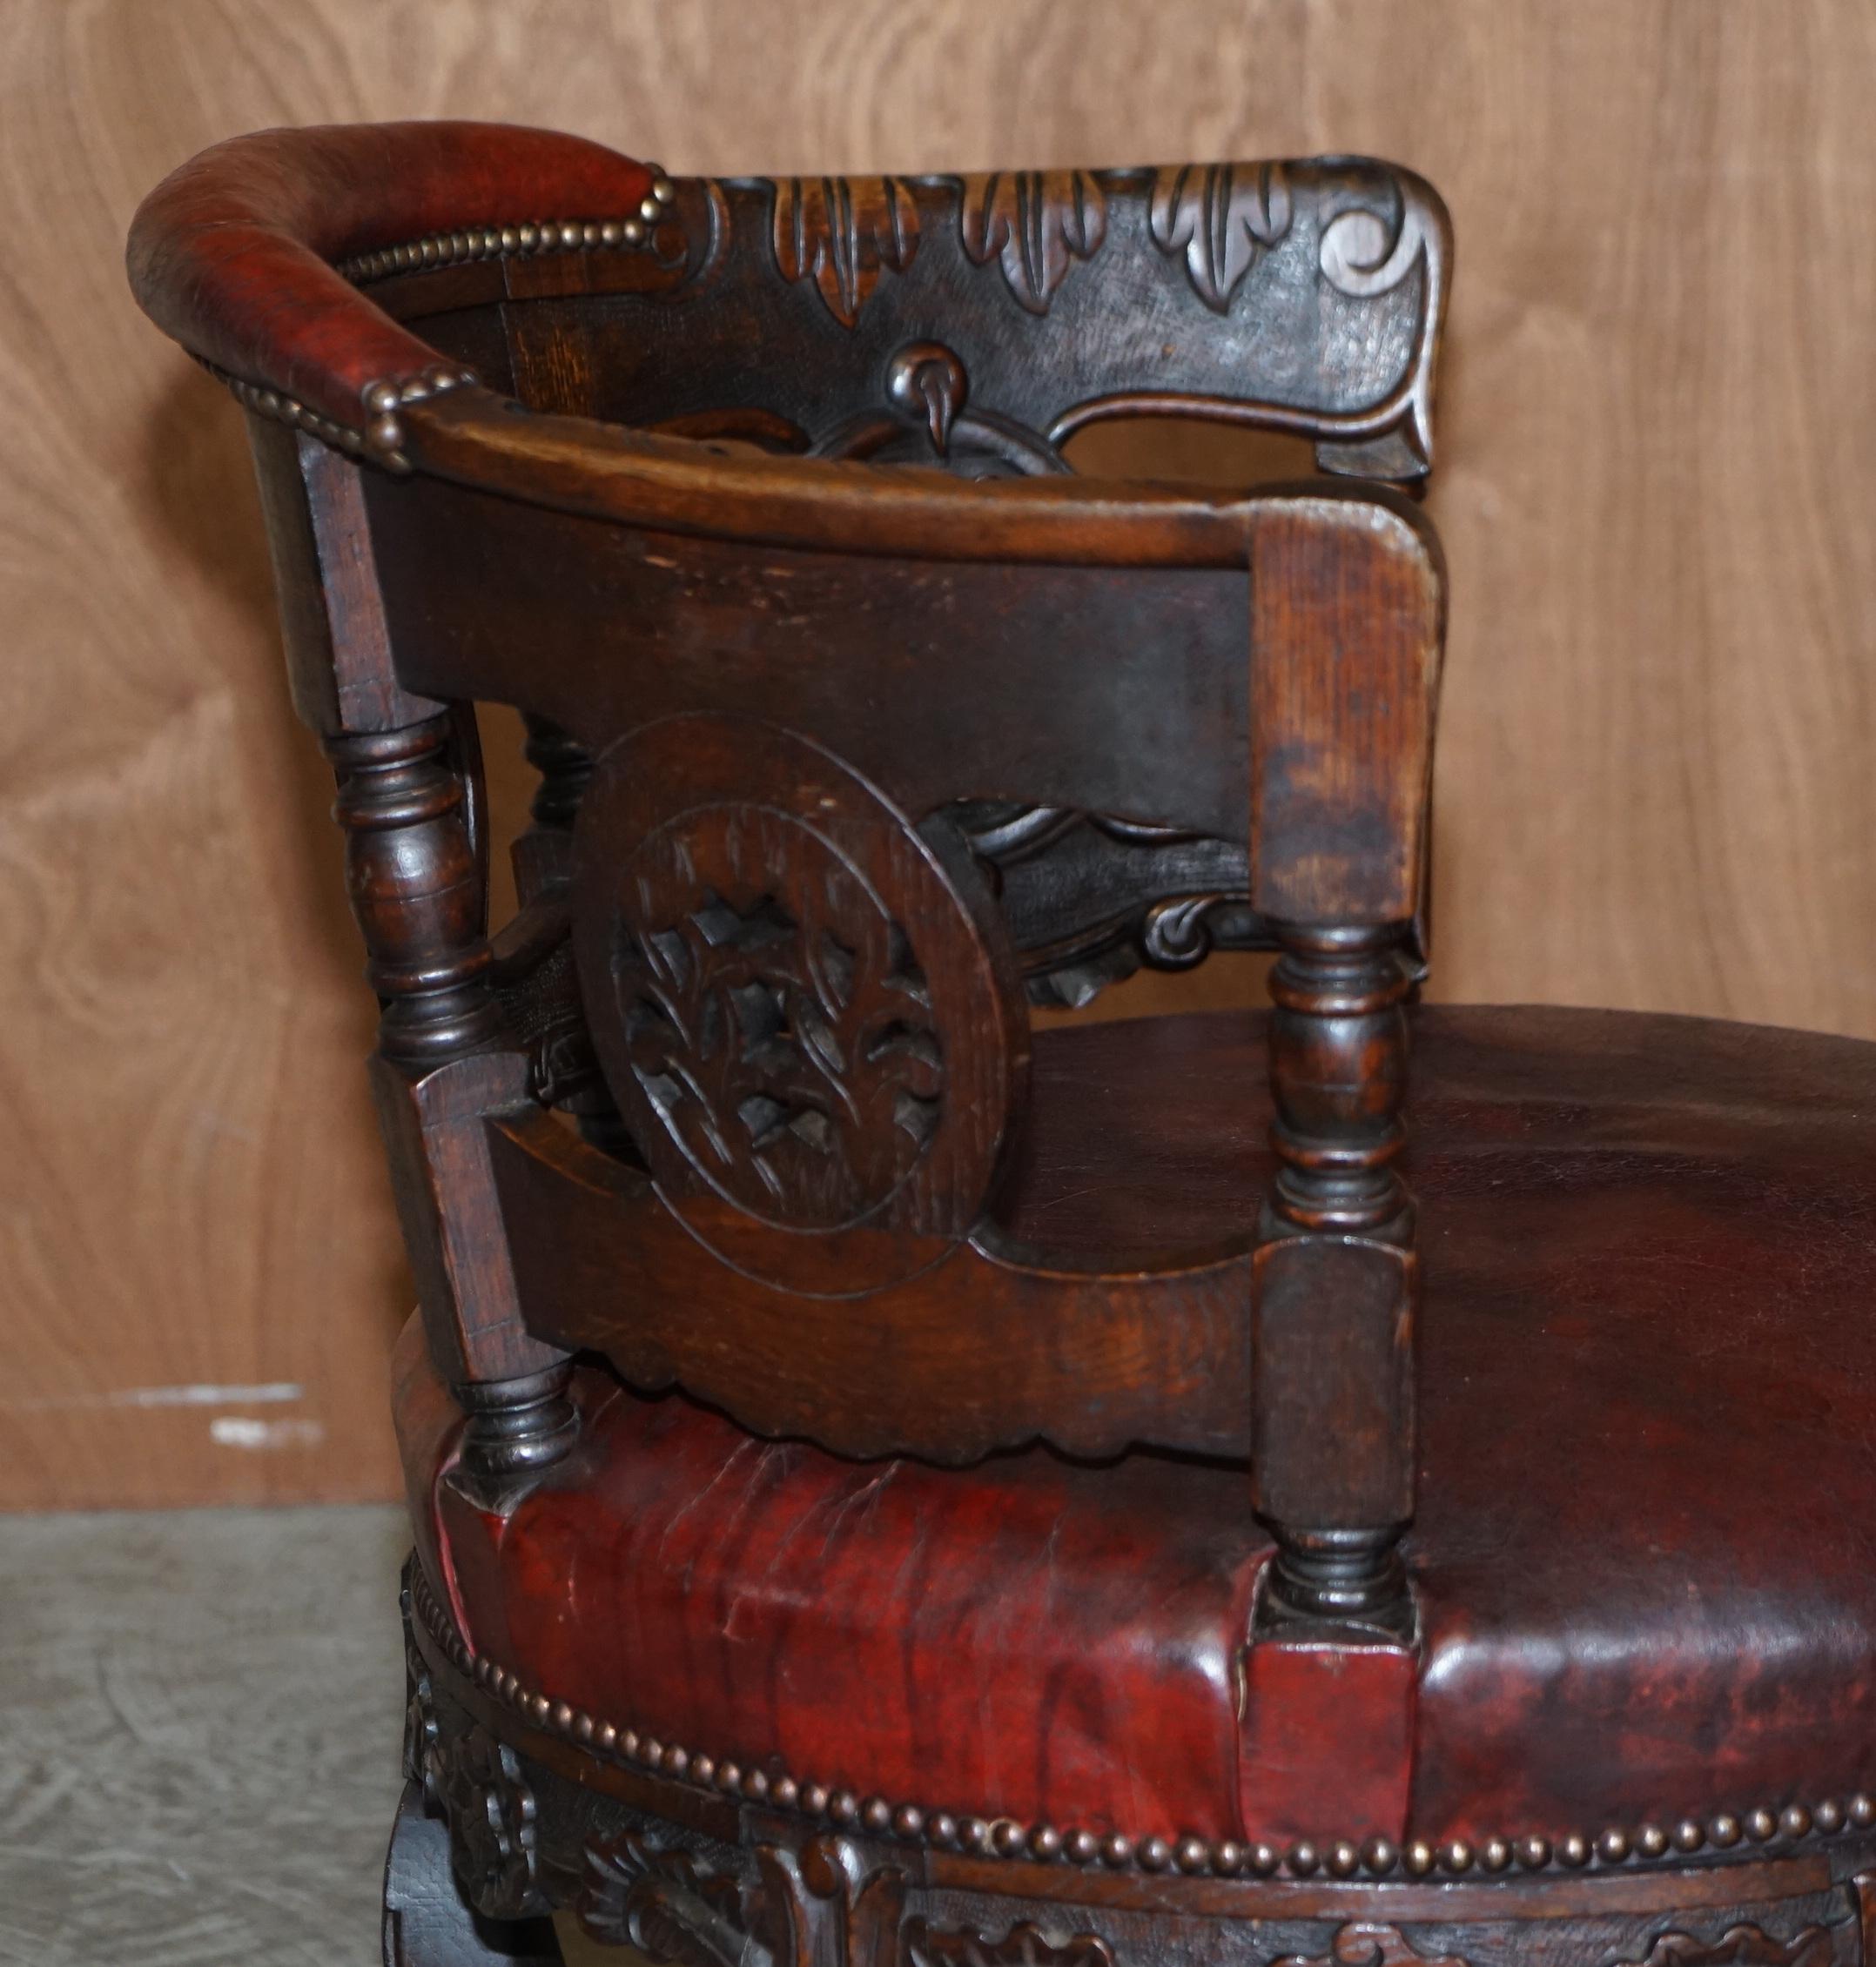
{"points": [[517, 1426], [565, 767], [415, 889], [418, 893], [543, 866], [543, 855], [1334, 1370], [1338, 1069]]}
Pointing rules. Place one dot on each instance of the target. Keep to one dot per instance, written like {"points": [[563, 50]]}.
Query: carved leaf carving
{"points": [[1740, 1946], [1221, 215], [842, 233], [788, 1048], [666, 1903], [1364, 1942], [1035, 222], [828, 1905], [923, 1944]]}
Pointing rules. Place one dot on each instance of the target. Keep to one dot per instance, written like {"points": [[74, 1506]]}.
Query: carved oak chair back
{"points": [[976, 323], [766, 689]]}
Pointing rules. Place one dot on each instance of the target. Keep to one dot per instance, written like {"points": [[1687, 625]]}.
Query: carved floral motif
{"points": [[842, 233], [785, 1039], [827, 1905], [491, 1811], [1034, 222], [667, 1903], [1221, 215]]}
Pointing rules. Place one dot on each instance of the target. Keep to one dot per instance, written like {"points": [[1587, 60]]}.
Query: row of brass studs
{"points": [[1226, 1857], [381, 441], [496, 242]]}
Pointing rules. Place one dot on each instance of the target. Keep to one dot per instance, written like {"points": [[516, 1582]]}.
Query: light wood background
{"points": [[1658, 471]]}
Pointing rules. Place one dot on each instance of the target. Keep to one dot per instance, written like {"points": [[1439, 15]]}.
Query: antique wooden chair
{"points": [[889, 1484]]}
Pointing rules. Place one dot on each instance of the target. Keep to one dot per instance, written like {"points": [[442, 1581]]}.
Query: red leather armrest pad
{"points": [[232, 254]]}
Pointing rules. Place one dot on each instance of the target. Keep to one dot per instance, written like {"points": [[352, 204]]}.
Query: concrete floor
{"points": [[199, 1721]]}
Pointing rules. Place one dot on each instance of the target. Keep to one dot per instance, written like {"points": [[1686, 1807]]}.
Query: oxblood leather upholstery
{"points": [[1644, 1564], [234, 254]]}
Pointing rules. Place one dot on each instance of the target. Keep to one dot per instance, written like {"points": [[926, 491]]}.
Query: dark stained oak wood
{"points": [[960, 1347], [1303, 297], [796, 713], [777, 1440], [426, 1922]]}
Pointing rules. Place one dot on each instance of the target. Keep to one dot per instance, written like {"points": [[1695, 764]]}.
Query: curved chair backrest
{"points": [[777, 696], [977, 321]]}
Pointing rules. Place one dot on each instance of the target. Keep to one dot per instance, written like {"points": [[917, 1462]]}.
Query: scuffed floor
{"points": [[199, 1722]]}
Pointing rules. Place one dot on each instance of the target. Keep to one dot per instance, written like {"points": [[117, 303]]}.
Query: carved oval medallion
{"points": [[774, 1015], [796, 1010]]}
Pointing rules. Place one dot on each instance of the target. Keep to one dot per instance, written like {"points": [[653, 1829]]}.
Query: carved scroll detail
{"points": [[1361, 258], [1221, 215], [1024, 1946], [1364, 1942], [669, 1904], [1035, 222], [491, 1812], [1179, 932], [1739, 1946], [842, 233]]}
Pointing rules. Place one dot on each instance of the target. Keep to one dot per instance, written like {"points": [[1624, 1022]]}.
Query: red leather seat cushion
{"points": [[1643, 1555]]}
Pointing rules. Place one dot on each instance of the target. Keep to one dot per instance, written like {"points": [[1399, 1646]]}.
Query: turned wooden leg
{"points": [[426, 1922], [1333, 1376]]}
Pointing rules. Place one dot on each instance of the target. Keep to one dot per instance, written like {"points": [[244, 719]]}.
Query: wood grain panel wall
{"points": [[1659, 462]]}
